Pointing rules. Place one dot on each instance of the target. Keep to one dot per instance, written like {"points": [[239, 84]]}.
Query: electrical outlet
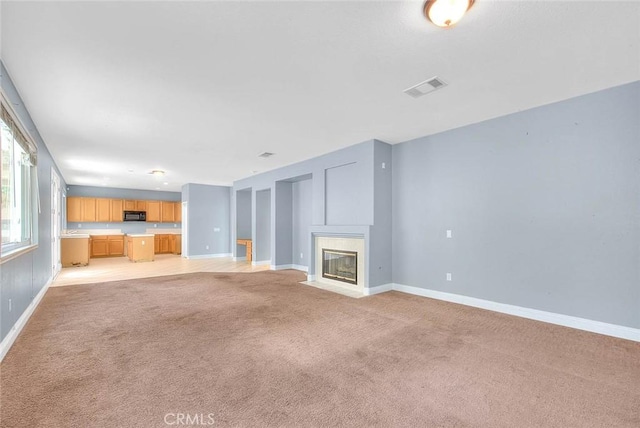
{"points": [[216, 229], [206, 247], [79, 226], [301, 255], [9, 305], [155, 225], [175, 225], [448, 233], [384, 165], [448, 276]]}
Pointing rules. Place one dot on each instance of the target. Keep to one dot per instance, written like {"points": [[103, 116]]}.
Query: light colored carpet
{"points": [[259, 349]]}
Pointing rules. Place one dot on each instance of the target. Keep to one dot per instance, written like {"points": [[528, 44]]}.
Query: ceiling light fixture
{"points": [[157, 172], [446, 13]]}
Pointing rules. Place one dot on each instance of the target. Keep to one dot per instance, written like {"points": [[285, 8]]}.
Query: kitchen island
{"points": [[140, 247]]}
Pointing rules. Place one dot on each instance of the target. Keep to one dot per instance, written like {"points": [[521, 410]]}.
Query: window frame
{"points": [[12, 250]]}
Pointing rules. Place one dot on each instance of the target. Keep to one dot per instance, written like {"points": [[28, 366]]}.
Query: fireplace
{"points": [[340, 265]]}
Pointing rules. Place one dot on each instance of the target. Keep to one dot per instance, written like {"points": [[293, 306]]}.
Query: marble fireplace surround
{"points": [[351, 238]]}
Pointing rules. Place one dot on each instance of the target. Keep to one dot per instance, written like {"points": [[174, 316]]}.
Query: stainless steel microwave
{"points": [[134, 216]]}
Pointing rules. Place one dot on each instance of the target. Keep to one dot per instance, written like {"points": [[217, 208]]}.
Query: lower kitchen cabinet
{"points": [[107, 245], [74, 251], [168, 244]]}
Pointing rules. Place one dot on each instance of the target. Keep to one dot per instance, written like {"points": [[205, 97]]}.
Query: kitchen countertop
{"points": [[165, 231], [75, 235], [94, 232]]}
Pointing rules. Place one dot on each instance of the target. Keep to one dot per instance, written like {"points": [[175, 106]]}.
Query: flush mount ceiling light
{"points": [[157, 172], [445, 13]]}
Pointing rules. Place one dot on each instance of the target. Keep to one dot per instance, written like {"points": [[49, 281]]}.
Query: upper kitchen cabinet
{"points": [[74, 209], [177, 212], [130, 205], [167, 209], [81, 209], [153, 211], [103, 210], [88, 209], [117, 208]]}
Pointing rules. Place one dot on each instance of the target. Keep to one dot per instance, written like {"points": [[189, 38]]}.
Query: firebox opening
{"points": [[340, 265]]}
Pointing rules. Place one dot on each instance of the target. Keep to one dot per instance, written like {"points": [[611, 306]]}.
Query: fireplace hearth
{"points": [[340, 265]]}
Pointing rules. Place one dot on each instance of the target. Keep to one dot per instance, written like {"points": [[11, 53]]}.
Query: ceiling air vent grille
{"points": [[425, 87], [265, 155]]}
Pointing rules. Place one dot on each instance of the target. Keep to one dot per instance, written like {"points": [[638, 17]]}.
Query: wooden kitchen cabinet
{"points": [[80, 209], [165, 246], [74, 209], [99, 246], [177, 212], [88, 209], [74, 251], [103, 210], [107, 245], [167, 209], [117, 209], [139, 248], [153, 211], [175, 244], [162, 244]]}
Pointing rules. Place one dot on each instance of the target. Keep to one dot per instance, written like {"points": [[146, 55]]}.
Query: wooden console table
{"points": [[246, 243]]}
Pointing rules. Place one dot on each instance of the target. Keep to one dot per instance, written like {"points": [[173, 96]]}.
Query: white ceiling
{"points": [[199, 89]]}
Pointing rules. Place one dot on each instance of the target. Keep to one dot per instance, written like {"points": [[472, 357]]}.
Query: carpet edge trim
{"points": [[615, 330]]}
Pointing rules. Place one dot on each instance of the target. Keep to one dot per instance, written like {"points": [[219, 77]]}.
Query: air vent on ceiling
{"points": [[265, 155], [425, 87]]}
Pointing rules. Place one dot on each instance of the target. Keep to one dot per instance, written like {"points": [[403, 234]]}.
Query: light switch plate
{"points": [[448, 233]]}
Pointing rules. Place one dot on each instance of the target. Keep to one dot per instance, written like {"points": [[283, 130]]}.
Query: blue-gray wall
{"points": [[209, 221], [301, 219], [282, 246], [380, 248], [262, 241], [344, 197], [544, 206], [131, 194], [341, 193], [243, 220], [23, 277]]}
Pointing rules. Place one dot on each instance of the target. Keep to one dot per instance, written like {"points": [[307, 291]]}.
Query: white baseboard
{"points": [[300, 268], [311, 278], [209, 256], [296, 267], [614, 330], [370, 291], [261, 263], [280, 267], [239, 259], [13, 334]]}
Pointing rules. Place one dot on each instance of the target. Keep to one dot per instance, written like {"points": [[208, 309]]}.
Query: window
{"points": [[17, 164]]}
